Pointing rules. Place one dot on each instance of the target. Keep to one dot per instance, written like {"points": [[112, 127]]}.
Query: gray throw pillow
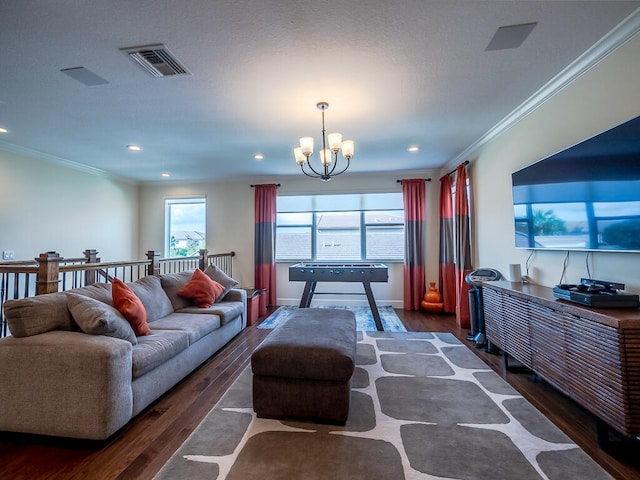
{"points": [[222, 278], [39, 314], [153, 297], [97, 318], [171, 283]]}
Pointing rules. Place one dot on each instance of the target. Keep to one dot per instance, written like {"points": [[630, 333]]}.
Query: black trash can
{"points": [[476, 308]]}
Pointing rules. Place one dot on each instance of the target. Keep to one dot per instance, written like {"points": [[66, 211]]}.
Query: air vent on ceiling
{"points": [[157, 60], [84, 75]]}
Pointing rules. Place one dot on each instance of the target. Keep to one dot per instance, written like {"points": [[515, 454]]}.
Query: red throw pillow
{"points": [[201, 289], [130, 306]]}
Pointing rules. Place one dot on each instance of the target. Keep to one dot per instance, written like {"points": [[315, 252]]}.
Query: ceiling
{"points": [[396, 74]]}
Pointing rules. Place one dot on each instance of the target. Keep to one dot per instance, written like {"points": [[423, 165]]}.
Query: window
{"points": [[384, 232], [186, 226], [294, 236], [340, 228], [337, 236]]}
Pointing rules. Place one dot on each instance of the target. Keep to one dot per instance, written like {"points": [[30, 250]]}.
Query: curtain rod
{"points": [[466, 162], [277, 185], [426, 180]]}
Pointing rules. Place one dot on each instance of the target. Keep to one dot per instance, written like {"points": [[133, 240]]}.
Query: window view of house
{"points": [[340, 228], [186, 226]]}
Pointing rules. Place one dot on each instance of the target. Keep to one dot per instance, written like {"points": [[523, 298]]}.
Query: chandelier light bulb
{"points": [[347, 149], [325, 157], [299, 156], [306, 145], [335, 142]]}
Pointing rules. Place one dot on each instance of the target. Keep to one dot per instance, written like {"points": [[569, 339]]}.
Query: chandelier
{"points": [[328, 156]]}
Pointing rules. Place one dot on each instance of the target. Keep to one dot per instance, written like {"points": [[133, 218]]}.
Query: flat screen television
{"points": [[586, 197]]}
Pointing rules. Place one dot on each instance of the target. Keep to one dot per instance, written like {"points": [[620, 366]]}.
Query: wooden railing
{"points": [[50, 273]]}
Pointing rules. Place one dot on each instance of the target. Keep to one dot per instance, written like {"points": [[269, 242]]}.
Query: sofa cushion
{"points": [[222, 278], [156, 348], [130, 306], [171, 283], [149, 291], [39, 314], [97, 291], [196, 326], [227, 311], [97, 318], [201, 289]]}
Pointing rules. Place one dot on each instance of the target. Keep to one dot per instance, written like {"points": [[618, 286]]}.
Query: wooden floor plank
{"points": [[140, 449]]}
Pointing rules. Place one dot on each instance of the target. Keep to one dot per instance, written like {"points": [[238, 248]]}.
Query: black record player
{"points": [[597, 294]]}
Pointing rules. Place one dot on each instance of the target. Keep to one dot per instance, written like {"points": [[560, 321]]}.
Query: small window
{"points": [[186, 226]]}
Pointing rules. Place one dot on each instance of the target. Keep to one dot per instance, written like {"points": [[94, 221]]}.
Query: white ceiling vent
{"points": [[156, 60], [510, 36]]}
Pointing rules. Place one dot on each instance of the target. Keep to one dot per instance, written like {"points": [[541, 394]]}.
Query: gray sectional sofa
{"points": [[56, 379]]}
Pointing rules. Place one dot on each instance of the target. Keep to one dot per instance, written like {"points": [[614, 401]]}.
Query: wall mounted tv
{"points": [[586, 197]]}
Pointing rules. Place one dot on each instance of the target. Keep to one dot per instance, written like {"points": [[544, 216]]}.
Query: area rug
{"points": [[423, 406], [364, 318]]}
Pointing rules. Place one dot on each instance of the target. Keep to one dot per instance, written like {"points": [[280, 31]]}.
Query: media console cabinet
{"points": [[591, 355]]}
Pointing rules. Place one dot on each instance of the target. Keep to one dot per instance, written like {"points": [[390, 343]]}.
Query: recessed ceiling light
{"points": [[3, 130], [134, 148], [166, 174], [258, 156], [413, 148]]}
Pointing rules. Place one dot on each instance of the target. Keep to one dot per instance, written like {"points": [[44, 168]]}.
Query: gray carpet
{"points": [[364, 318], [423, 407]]}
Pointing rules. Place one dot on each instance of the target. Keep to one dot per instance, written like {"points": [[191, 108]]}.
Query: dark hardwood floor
{"points": [[142, 447]]}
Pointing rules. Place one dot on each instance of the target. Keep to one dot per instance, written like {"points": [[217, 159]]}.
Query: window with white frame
{"points": [[333, 228], [185, 226]]}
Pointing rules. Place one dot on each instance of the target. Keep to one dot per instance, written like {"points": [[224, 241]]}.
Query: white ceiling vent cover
{"points": [[156, 60]]}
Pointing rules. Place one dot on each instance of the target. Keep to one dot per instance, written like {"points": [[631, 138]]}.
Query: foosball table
{"points": [[365, 273]]}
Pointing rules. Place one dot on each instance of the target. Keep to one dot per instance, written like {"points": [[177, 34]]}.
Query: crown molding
{"points": [[31, 153], [621, 34]]}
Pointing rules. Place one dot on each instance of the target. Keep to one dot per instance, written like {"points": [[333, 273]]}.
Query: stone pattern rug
{"points": [[423, 406], [364, 318]]}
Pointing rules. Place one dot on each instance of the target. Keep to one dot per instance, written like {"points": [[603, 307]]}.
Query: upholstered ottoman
{"points": [[303, 368]]}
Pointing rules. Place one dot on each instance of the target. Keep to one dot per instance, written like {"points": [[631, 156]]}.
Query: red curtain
{"points": [[463, 248], [413, 192], [455, 246], [447, 274], [265, 234]]}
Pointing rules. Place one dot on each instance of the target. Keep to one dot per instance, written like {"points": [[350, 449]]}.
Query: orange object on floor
{"points": [[432, 300]]}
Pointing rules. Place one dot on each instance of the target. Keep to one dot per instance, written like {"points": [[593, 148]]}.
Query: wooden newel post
{"points": [[203, 259], [48, 272], [154, 265], [91, 256]]}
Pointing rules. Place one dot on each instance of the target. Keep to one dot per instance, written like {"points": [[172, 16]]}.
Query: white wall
{"points": [[229, 220], [48, 207], [603, 97], [230, 226]]}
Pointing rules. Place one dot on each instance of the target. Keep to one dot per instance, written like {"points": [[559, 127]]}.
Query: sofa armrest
{"points": [[67, 384], [238, 295]]}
